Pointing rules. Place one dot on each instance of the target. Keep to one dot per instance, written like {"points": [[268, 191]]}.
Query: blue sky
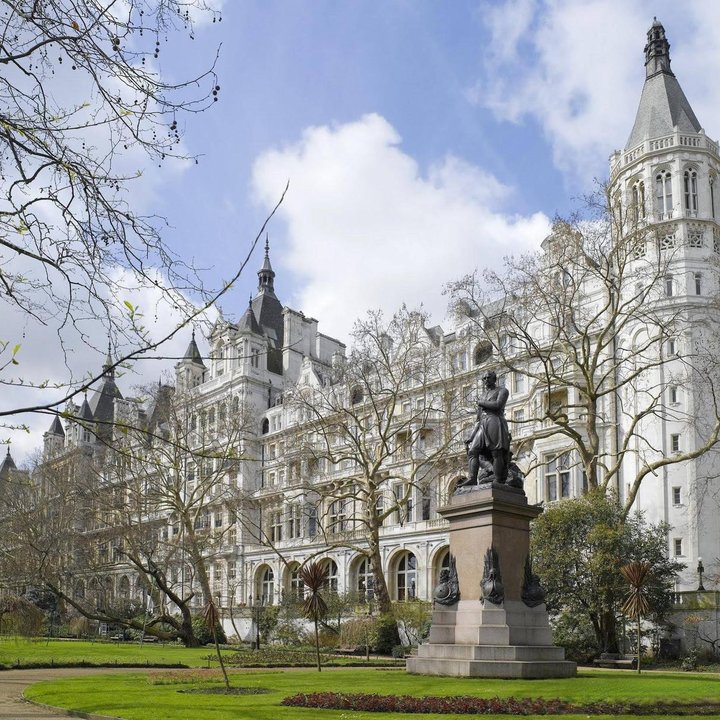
{"points": [[530, 97], [421, 140]]}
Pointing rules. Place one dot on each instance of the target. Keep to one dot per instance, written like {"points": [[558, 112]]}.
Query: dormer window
{"points": [[691, 197], [663, 194]]}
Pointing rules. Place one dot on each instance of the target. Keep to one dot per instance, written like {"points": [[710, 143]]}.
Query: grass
{"points": [[21, 652], [157, 696]]}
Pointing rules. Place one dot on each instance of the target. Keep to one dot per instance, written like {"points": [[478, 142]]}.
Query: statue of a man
{"points": [[489, 442]]}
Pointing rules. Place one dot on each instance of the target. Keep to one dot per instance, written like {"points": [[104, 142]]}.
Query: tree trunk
{"points": [[317, 644], [639, 644], [382, 594]]}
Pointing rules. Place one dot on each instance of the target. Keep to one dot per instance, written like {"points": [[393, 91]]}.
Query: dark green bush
{"points": [[204, 635], [387, 635]]}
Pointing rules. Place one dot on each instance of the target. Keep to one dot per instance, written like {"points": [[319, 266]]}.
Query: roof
{"points": [[56, 428], [8, 465], [193, 353], [248, 322], [663, 106]]}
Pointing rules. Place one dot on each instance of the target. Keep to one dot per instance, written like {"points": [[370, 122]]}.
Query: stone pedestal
{"points": [[474, 637]]}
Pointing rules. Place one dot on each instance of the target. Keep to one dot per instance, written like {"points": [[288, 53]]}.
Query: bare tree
{"points": [[598, 325], [368, 437], [148, 503], [84, 110]]}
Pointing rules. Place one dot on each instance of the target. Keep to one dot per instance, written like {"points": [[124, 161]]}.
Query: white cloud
{"points": [[366, 228], [575, 67], [60, 362]]}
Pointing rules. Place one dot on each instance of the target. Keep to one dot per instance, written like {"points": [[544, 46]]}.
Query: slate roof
{"points": [[663, 105], [56, 428], [8, 465]]}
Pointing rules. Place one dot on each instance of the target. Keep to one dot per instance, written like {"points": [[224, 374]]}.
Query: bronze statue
{"points": [[488, 446]]}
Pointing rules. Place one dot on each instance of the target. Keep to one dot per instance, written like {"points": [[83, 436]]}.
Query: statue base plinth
{"points": [[475, 638]]}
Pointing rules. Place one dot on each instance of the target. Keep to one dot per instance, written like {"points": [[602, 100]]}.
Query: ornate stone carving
{"points": [[491, 584], [532, 592], [447, 591]]}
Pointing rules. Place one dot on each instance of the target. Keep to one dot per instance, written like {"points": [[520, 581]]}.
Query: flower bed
{"points": [[469, 705]]}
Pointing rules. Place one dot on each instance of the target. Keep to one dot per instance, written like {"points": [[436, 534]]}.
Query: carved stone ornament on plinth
{"points": [[498, 625]]}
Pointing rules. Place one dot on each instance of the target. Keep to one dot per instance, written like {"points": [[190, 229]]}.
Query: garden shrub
{"points": [[575, 634], [387, 634], [203, 633]]}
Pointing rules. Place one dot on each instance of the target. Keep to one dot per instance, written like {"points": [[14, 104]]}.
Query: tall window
{"points": [[406, 576], [691, 198], [337, 516], [677, 496], [698, 283], [276, 527], [678, 547], [518, 380], [673, 394], [675, 443], [669, 286], [267, 587], [557, 477], [297, 586], [365, 580], [638, 200], [294, 522], [663, 194], [332, 575]]}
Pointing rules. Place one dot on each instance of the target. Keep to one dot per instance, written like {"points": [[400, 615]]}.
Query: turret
{"points": [[190, 371]]}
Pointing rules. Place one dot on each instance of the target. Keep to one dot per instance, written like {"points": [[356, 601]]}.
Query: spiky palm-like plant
{"points": [[636, 602], [315, 577], [211, 620]]}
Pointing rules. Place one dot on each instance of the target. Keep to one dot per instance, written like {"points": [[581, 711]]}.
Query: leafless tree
{"points": [[601, 326], [368, 437], [148, 504]]}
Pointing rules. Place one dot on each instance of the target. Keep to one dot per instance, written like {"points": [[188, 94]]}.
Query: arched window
{"points": [[691, 197], [297, 585], [365, 580], [357, 395], [406, 576], [265, 426], [638, 200], [236, 405], [266, 586], [663, 194], [332, 575]]}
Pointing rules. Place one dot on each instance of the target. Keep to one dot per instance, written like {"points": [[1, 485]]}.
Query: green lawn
{"points": [[14, 651], [156, 696]]}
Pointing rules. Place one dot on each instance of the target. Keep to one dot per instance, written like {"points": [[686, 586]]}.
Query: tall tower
{"points": [[190, 371], [665, 180]]}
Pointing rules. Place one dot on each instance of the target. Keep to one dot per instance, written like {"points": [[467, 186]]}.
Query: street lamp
{"points": [[257, 607], [700, 571]]}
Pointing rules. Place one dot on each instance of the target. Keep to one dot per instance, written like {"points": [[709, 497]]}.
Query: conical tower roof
{"points": [[193, 352], [8, 465], [56, 427], [663, 106]]}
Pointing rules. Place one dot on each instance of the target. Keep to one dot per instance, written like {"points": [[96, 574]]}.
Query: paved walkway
{"points": [[14, 682]]}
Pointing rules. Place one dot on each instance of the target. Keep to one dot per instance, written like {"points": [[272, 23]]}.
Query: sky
{"points": [[421, 140]]}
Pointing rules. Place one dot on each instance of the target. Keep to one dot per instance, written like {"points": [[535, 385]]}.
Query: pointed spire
{"points": [[85, 411], [663, 108], [108, 366], [657, 50], [193, 353], [248, 322], [8, 465], [266, 274], [56, 428]]}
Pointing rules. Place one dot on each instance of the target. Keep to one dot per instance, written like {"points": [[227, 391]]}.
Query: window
{"points": [[218, 519], [675, 443], [266, 590], [337, 516], [426, 504], [459, 362], [712, 196], [312, 521], [698, 283], [297, 585], [673, 394], [276, 526], [638, 201], [332, 575], [667, 241], [557, 477], [518, 380], [663, 194], [669, 286], [690, 187], [671, 348], [255, 358], [518, 417], [294, 522], [676, 496], [365, 581], [678, 547], [405, 577]]}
